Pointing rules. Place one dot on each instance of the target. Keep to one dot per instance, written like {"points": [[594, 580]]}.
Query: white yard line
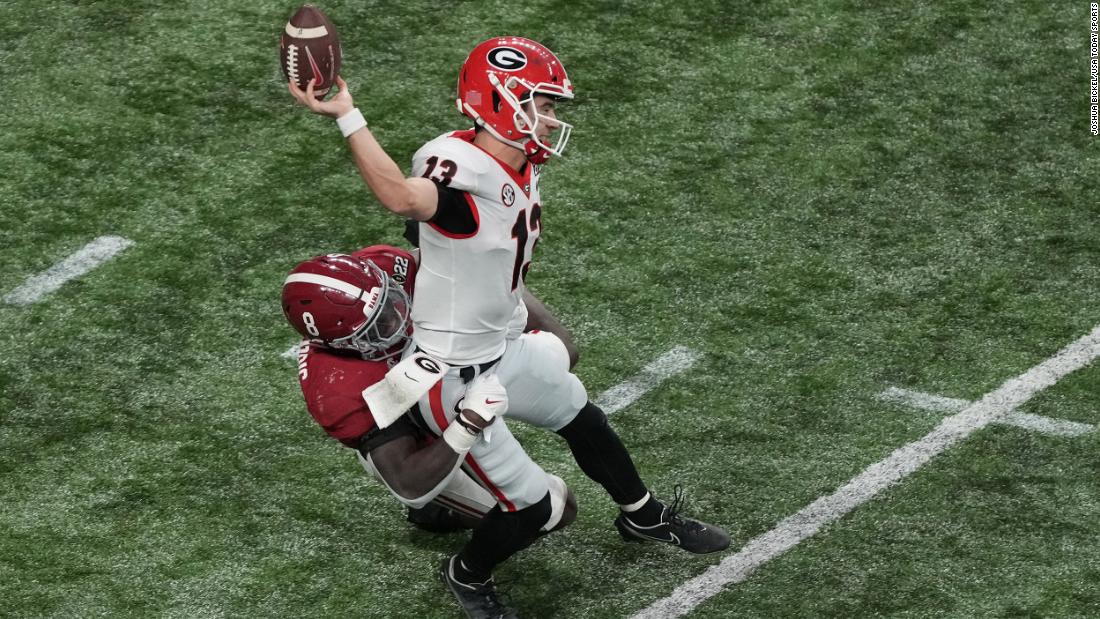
{"points": [[879, 476], [85, 259], [627, 392], [292, 352], [1027, 421]]}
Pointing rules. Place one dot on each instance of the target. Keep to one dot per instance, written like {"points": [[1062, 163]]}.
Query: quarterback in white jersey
{"points": [[475, 194], [475, 251]]}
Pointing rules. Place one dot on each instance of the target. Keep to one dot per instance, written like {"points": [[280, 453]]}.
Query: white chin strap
{"points": [[472, 113]]}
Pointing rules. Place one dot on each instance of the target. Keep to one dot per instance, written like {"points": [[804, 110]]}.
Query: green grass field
{"points": [[825, 199]]}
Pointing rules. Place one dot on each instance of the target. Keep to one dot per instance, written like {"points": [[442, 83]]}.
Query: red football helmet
{"points": [[499, 77], [344, 302]]}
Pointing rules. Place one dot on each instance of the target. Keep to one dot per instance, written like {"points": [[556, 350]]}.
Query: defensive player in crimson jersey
{"points": [[476, 196], [353, 310]]}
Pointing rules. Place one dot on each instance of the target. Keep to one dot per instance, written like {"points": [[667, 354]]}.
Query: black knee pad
{"points": [[590, 418], [521, 522], [531, 518]]}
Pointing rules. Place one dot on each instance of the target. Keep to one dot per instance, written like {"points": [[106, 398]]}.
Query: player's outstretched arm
{"points": [[409, 197]]}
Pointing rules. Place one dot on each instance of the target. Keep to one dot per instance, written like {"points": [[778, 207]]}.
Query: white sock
{"points": [[633, 507]]}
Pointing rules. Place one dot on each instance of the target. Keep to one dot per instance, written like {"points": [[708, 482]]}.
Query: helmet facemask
{"points": [[527, 118], [531, 120]]}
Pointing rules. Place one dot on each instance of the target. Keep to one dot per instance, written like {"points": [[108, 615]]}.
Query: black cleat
{"points": [[479, 600], [435, 519], [687, 533]]}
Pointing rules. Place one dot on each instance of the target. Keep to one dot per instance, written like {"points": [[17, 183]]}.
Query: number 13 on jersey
{"points": [[523, 230]]}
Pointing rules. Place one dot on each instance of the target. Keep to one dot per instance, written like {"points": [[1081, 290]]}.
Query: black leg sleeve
{"points": [[500, 535], [602, 456]]}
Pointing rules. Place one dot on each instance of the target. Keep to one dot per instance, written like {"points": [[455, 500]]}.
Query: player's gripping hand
{"points": [[485, 400], [337, 105]]}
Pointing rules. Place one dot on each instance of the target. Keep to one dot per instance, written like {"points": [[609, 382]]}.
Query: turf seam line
{"points": [[85, 259], [1027, 421], [992, 407]]}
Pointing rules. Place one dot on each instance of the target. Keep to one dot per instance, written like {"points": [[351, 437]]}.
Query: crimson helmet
{"points": [[344, 302], [502, 74]]}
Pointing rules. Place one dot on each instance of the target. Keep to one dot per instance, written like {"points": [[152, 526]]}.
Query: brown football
{"points": [[310, 48]]}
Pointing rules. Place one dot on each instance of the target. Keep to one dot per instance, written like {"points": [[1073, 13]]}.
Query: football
{"points": [[310, 48]]}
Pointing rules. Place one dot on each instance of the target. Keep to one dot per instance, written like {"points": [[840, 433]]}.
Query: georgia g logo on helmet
{"points": [[507, 58], [498, 80]]}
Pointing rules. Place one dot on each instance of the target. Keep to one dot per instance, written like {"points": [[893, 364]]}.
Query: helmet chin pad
{"points": [[535, 153]]}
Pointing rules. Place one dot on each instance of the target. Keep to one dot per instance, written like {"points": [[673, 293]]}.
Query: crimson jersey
{"points": [[333, 381]]}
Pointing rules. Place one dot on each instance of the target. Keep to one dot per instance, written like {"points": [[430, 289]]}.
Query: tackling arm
{"points": [[409, 197], [416, 475], [540, 317]]}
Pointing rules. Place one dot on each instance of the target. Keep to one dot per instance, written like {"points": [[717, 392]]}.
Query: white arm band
{"points": [[351, 122], [459, 438], [403, 385]]}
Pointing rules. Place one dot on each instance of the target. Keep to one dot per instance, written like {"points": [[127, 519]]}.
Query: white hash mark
{"points": [[993, 407], [83, 260], [1027, 421], [627, 392]]}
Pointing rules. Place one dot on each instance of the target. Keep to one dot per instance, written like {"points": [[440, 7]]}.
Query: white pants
{"points": [[461, 493], [541, 391], [465, 495]]}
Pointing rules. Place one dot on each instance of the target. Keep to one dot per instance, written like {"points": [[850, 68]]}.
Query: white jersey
{"points": [[469, 287]]}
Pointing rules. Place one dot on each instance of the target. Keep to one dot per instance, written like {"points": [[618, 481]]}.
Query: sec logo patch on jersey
{"points": [[508, 194]]}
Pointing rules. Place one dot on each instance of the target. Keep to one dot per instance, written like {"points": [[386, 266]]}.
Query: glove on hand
{"points": [[486, 397]]}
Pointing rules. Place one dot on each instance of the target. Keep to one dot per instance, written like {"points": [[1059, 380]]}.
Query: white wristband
{"points": [[459, 438], [351, 122]]}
